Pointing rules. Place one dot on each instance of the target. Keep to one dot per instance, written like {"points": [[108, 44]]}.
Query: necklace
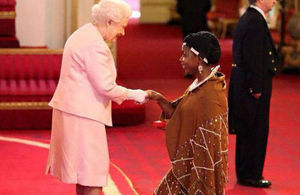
{"points": [[196, 83]]}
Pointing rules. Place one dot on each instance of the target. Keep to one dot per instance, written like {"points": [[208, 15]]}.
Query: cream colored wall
{"points": [[84, 11], [77, 13], [156, 11], [55, 24], [30, 22], [68, 18], [48, 23], [40, 23]]}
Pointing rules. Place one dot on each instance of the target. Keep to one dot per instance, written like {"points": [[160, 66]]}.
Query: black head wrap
{"points": [[206, 44]]}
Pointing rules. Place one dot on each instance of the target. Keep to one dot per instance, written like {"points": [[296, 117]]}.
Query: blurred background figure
{"points": [[193, 15]]}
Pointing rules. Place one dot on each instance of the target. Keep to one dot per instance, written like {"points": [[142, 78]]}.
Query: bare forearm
{"points": [[163, 103], [166, 107]]}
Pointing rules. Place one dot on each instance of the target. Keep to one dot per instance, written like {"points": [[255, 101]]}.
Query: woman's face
{"points": [[116, 29], [189, 61]]}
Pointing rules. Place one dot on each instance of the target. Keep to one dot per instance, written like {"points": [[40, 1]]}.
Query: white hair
{"points": [[114, 10]]}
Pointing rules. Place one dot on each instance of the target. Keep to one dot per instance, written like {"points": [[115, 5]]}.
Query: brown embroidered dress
{"points": [[197, 141]]}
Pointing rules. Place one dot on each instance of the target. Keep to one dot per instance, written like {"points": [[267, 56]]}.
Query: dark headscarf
{"points": [[206, 44]]}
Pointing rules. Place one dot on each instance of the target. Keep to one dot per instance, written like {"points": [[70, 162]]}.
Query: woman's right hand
{"points": [[153, 95], [164, 104]]}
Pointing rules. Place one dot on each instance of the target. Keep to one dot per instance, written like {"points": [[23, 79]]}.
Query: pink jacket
{"points": [[87, 81]]}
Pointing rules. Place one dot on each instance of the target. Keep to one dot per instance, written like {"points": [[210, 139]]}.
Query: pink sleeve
{"points": [[101, 73]]}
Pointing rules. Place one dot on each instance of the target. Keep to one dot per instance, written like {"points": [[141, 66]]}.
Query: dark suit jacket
{"points": [[193, 15], [256, 62]]}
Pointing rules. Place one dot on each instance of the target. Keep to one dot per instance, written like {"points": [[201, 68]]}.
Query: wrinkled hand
{"points": [[153, 95]]}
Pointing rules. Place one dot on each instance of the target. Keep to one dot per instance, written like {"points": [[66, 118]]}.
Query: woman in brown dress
{"points": [[196, 131]]}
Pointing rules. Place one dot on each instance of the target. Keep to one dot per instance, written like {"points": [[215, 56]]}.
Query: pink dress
{"points": [[82, 107], [78, 150]]}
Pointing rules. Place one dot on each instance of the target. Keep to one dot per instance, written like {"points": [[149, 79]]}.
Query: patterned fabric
{"points": [[197, 142]]}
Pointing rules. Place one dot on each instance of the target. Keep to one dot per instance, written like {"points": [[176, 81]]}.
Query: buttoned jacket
{"points": [[87, 82], [253, 49]]}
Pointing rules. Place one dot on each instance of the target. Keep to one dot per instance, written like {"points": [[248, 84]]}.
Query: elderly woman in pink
{"points": [[82, 100]]}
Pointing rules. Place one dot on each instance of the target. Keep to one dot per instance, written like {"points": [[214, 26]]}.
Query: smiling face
{"points": [[115, 29], [189, 61]]}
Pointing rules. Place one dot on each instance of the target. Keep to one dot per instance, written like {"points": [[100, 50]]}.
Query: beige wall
{"points": [[55, 24], [30, 22], [48, 23], [84, 11]]}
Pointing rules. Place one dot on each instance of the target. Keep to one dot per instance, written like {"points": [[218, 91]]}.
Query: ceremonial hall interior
{"points": [[32, 37]]}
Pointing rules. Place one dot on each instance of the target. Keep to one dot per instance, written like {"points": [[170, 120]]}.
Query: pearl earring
{"points": [[200, 69]]}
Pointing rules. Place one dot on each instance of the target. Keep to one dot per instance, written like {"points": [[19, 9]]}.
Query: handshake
{"points": [[141, 96], [153, 95], [164, 104]]}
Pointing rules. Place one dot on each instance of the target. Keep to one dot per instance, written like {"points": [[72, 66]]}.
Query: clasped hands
{"points": [[150, 95], [153, 95]]}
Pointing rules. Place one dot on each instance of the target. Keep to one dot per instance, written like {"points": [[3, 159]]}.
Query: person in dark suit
{"points": [[193, 15], [193, 18], [255, 63]]}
